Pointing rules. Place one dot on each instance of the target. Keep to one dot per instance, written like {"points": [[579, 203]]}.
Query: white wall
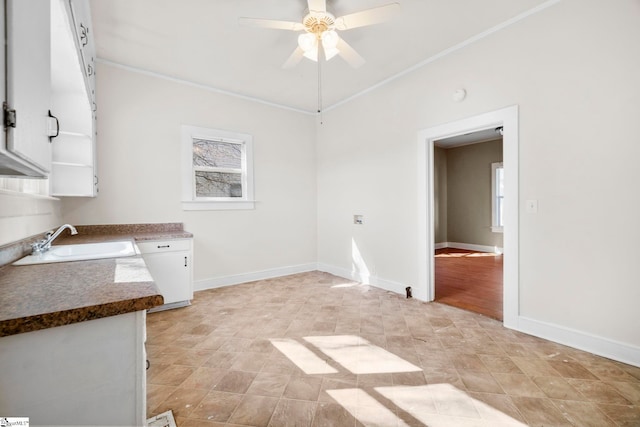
{"points": [[139, 166], [23, 216], [572, 69]]}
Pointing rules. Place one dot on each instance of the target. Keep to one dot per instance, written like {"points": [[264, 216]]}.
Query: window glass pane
{"points": [[499, 211], [500, 182], [217, 154], [218, 184]]}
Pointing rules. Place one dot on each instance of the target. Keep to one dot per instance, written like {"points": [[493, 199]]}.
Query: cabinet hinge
{"points": [[9, 116]]}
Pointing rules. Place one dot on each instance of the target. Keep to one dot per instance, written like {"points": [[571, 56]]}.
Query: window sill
{"points": [[218, 206], [497, 229]]}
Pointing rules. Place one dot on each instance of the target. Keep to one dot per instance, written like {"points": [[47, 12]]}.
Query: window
{"points": [[217, 169], [497, 197]]}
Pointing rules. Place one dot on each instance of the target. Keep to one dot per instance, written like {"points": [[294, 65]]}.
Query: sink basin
{"points": [[87, 251]]}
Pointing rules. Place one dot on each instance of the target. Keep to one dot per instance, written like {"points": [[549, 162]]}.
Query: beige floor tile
{"points": [[630, 390], [569, 369], [583, 414], [557, 388], [156, 394], [254, 411], [269, 384], [499, 364], [213, 363], [303, 388], [235, 382], [172, 375], [332, 415], [204, 378], [482, 382], [216, 406], [540, 412], [622, 415], [182, 401], [599, 392], [496, 402], [518, 385], [191, 422]]}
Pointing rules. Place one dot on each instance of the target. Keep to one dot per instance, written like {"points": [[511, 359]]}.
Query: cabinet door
{"points": [[84, 32], [170, 271], [28, 80]]}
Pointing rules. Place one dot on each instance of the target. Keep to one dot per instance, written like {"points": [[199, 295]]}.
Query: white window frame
{"points": [[496, 227], [189, 200]]}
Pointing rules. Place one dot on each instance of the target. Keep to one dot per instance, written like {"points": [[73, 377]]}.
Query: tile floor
{"points": [[313, 349]]}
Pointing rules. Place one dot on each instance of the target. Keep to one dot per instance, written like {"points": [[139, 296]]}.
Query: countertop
{"points": [[43, 296]]}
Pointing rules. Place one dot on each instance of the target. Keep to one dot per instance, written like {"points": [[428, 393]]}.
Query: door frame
{"points": [[508, 119]]}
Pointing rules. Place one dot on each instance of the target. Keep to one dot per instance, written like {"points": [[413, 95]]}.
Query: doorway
{"points": [[468, 196], [507, 118]]}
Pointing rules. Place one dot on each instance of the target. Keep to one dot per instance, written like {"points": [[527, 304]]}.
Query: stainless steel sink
{"points": [[87, 251]]}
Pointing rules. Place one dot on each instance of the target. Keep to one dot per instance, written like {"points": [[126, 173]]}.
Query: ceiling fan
{"points": [[320, 30]]}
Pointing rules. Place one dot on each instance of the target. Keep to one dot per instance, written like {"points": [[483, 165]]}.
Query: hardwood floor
{"points": [[470, 280]]}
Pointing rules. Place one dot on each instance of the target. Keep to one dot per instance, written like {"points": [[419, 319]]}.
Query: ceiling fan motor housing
{"points": [[318, 22]]}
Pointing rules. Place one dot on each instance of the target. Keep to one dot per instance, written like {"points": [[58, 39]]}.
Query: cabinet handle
{"points": [[57, 127], [163, 246], [89, 70], [84, 32], [185, 261]]}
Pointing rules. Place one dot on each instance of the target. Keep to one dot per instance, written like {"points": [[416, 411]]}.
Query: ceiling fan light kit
{"points": [[320, 30]]}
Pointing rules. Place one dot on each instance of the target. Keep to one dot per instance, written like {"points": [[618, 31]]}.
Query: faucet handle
{"points": [[48, 234], [36, 247]]}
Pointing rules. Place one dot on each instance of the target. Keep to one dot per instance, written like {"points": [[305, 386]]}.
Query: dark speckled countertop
{"points": [[41, 296]]}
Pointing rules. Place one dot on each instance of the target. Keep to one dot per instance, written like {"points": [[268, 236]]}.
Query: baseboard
{"points": [[235, 279], [376, 281], [469, 247], [582, 341], [441, 245]]}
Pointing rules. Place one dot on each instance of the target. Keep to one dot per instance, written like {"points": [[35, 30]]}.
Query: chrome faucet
{"points": [[45, 244]]}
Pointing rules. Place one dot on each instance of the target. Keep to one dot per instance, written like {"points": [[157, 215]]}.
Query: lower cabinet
{"points": [[86, 373], [170, 265]]}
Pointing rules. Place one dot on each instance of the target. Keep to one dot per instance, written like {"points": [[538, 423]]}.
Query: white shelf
{"points": [[73, 165]]}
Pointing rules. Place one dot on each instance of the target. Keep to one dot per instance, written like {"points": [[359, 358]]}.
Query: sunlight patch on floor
{"points": [[443, 405], [365, 408], [304, 358], [360, 356]]}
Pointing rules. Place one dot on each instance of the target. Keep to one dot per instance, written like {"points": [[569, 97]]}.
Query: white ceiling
{"points": [[200, 41]]}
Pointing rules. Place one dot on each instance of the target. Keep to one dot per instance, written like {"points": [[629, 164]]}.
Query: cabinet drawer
{"points": [[156, 246]]}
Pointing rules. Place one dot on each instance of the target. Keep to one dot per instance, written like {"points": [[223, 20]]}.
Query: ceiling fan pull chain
{"points": [[320, 89]]}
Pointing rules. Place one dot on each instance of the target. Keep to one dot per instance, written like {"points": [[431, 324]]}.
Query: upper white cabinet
{"points": [[84, 38], [50, 71], [25, 149], [73, 99]]}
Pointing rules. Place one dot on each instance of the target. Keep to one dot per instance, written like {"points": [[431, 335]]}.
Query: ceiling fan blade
{"points": [[349, 54], [367, 17], [317, 5], [294, 59], [270, 23]]}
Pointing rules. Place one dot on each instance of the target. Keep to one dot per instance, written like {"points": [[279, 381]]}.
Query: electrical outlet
{"points": [[358, 219]]}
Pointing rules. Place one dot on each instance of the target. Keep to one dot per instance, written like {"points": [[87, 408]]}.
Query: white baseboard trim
{"points": [[600, 346], [235, 279], [469, 247], [376, 281]]}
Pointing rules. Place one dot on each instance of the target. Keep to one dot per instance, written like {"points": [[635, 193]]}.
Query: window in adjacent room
{"points": [[497, 197], [217, 169]]}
